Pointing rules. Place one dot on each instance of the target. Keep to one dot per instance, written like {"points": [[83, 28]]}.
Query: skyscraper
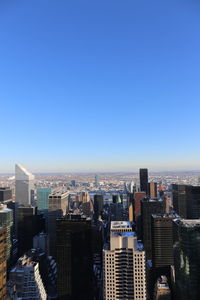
{"points": [[96, 180], [6, 221], [186, 200], [29, 225], [5, 194], [58, 203], [74, 259], [24, 184], [25, 281], [144, 181], [3, 263], [152, 187], [149, 207], [43, 198], [187, 258], [162, 240], [124, 265], [98, 206]]}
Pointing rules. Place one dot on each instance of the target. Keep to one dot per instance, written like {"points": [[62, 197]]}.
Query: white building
{"points": [[24, 185], [124, 265], [25, 281]]}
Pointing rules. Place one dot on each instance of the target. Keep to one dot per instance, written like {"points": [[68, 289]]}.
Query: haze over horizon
{"points": [[99, 86]]}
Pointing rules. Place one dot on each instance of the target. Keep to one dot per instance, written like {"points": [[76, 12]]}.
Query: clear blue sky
{"points": [[99, 85]]}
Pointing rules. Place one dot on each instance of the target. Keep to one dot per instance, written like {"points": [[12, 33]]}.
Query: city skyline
{"points": [[99, 86]]}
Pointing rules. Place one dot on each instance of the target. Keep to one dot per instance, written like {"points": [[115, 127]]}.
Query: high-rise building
{"points": [[25, 281], [152, 187], [162, 290], [24, 184], [6, 221], [97, 180], [162, 240], [98, 206], [5, 194], [85, 197], [187, 258], [138, 196], [3, 263], [186, 200], [29, 225], [149, 207], [43, 198], [74, 259], [124, 265], [58, 204], [162, 246], [144, 181]]}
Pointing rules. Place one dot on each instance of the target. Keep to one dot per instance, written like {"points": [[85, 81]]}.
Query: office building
{"points": [[144, 181], [138, 196], [43, 198], [162, 239], [58, 205], [5, 194], [24, 185], [152, 187], [98, 206], [85, 197], [186, 200], [96, 181], [124, 272], [29, 225], [162, 290], [6, 221], [3, 257], [25, 281], [187, 258], [149, 207], [74, 258]]}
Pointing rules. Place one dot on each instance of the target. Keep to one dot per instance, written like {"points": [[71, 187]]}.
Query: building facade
{"points": [[25, 282], [144, 181], [24, 185], [43, 198], [3, 263], [149, 207], [187, 258], [124, 272]]}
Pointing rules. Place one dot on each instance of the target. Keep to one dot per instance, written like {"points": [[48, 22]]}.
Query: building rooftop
{"points": [[120, 224], [188, 223], [166, 215]]}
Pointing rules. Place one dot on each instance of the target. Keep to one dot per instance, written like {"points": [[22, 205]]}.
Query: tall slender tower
{"points": [[24, 184], [144, 181]]}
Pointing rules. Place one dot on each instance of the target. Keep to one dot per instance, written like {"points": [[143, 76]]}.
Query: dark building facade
{"points": [[5, 194], [144, 181], [162, 245], [149, 207], [186, 200], [98, 206], [29, 225], [186, 234], [74, 259]]}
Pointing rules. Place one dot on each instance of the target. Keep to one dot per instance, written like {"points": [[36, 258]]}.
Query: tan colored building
{"points": [[124, 270], [162, 290], [153, 189]]}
